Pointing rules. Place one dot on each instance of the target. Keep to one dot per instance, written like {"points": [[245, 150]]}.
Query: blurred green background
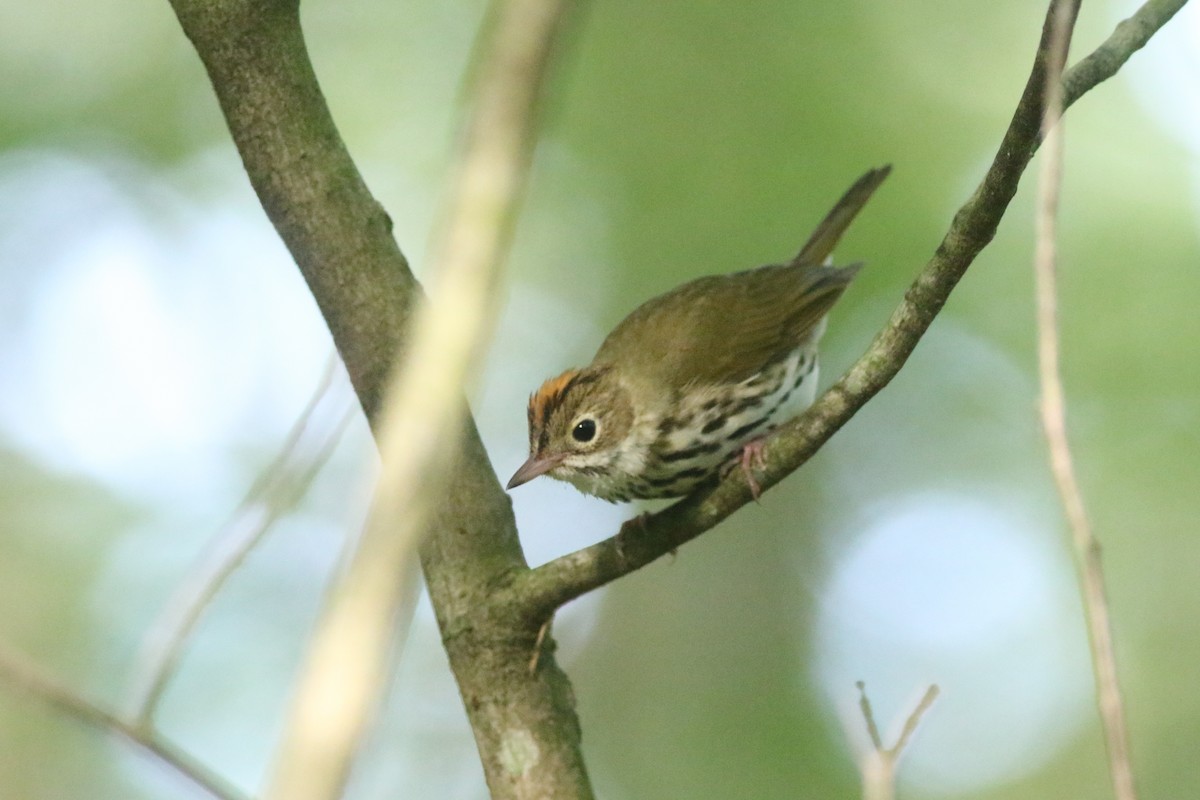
{"points": [[156, 344]]}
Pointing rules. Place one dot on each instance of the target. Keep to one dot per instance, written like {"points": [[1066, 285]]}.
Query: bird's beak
{"points": [[534, 466]]}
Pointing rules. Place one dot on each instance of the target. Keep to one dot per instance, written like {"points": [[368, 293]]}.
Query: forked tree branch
{"points": [[559, 581], [254, 52], [877, 763], [418, 434]]}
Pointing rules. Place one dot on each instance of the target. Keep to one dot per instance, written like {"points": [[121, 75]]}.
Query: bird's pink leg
{"points": [[751, 455]]}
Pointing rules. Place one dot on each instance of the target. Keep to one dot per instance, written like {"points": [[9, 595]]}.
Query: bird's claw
{"points": [[753, 455], [638, 522]]}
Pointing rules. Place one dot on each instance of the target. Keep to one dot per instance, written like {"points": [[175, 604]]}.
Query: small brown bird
{"points": [[693, 380]]}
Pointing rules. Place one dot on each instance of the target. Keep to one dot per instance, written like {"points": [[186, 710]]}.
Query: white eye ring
{"points": [[585, 429]]}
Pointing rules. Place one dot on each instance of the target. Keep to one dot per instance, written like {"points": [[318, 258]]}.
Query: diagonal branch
{"points": [[163, 646], [559, 581], [1130, 35], [24, 675]]}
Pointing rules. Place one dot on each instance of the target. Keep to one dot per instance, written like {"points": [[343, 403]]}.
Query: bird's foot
{"points": [[752, 456], [634, 526]]}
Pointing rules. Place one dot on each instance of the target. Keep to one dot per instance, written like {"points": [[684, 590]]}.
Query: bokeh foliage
{"points": [[682, 139]]}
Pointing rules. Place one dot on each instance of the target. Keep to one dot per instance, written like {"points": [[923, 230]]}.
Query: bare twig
{"points": [[878, 764], [1130, 35], [568, 577], [864, 705], [422, 421], [1053, 413], [248, 525], [24, 675], [914, 719]]}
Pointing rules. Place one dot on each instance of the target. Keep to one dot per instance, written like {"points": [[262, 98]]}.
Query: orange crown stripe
{"points": [[548, 396]]}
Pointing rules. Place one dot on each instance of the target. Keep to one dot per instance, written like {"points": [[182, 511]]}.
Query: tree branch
{"points": [[878, 763], [559, 581], [23, 674], [347, 667], [164, 644], [525, 726], [1129, 36], [1053, 412]]}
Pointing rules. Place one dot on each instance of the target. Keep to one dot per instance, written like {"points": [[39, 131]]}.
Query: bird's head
{"points": [[577, 425]]}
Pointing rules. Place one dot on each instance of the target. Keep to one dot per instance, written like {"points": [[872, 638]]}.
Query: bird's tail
{"points": [[827, 234]]}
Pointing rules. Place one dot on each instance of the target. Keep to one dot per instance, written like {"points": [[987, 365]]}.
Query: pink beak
{"points": [[534, 466]]}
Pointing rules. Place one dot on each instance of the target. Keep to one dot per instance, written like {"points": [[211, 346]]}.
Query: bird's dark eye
{"points": [[585, 430]]}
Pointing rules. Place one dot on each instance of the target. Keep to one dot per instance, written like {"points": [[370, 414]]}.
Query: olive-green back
{"points": [[726, 328], [723, 328]]}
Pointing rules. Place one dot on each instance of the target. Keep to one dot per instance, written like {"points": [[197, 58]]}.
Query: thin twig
{"points": [[419, 431], [164, 643], [24, 675], [864, 705], [1053, 413], [566, 578], [914, 719], [1130, 35], [878, 764]]}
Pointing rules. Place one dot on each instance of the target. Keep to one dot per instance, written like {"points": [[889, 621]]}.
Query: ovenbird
{"points": [[694, 380]]}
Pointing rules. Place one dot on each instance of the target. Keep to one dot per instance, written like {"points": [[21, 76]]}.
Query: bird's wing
{"points": [[728, 327], [724, 328]]}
